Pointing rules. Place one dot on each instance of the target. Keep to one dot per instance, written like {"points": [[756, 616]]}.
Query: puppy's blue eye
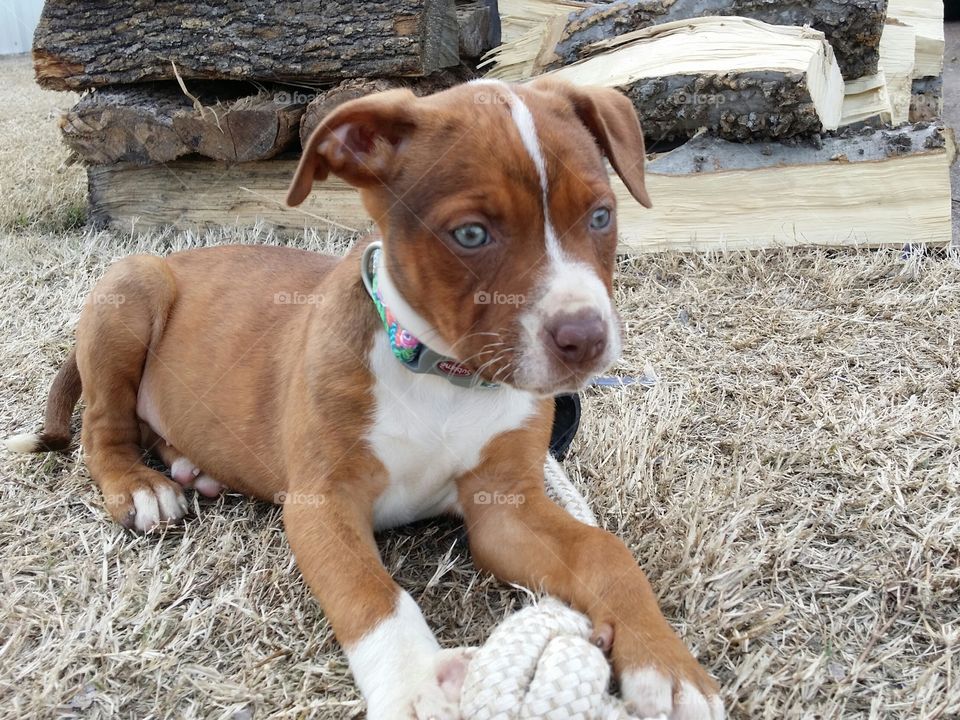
{"points": [[600, 218], [471, 235]]}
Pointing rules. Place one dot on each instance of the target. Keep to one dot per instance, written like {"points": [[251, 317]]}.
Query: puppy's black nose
{"points": [[577, 338]]}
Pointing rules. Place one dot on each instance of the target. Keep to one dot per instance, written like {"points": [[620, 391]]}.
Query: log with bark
{"points": [[157, 123], [479, 22], [861, 188], [93, 44], [852, 27], [741, 78], [864, 188]]}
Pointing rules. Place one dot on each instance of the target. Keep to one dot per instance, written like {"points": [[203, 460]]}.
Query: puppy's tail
{"points": [[56, 433]]}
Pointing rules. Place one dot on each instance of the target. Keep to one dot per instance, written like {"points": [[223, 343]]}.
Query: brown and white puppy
{"points": [[270, 370]]}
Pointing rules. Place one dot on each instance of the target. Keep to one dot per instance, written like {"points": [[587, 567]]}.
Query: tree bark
{"points": [[157, 123], [926, 101], [98, 43]]}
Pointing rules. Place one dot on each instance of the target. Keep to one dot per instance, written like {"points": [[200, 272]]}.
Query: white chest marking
{"points": [[427, 431]]}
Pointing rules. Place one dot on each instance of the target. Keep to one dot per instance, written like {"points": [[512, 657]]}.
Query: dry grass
{"points": [[38, 189], [790, 484]]}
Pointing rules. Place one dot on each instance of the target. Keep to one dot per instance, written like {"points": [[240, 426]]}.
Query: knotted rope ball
{"points": [[539, 662]]}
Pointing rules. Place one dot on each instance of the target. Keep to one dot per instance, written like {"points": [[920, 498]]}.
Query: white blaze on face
{"points": [[567, 286]]}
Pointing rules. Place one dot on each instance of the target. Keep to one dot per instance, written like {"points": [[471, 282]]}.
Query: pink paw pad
{"points": [[184, 471], [189, 476], [207, 486]]}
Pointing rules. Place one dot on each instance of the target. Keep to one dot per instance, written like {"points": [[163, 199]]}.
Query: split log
{"points": [[877, 187], [204, 194], [926, 99], [327, 100], [479, 23], [863, 188], [519, 17], [926, 18], [744, 79], [865, 99], [852, 27], [84, 45], [897, 57], [157, 123]]}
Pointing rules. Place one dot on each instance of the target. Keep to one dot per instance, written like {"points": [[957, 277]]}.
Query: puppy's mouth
{"points": [[562, 381], [539, 371]]}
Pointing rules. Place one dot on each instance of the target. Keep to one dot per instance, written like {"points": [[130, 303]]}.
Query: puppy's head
{"points": [[498, 219]]}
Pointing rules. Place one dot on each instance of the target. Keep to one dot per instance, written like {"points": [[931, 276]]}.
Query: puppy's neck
{"points": [[433, 358]]}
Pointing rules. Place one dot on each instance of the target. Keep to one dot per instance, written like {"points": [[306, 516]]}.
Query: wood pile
{"points": [[771, 122]]}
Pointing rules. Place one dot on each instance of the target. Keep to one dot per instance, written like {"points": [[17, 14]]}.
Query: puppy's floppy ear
{"points": [[358, 142], [611, 118]]}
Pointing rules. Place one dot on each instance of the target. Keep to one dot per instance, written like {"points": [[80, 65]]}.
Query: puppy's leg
{"points": [[122, 318], [395, 659], [521, 536]]}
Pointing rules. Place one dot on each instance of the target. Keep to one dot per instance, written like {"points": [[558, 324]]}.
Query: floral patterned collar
{"points": [[416, 356]]}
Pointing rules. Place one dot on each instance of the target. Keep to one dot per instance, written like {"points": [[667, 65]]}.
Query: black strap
{"points": [[566, 420]]}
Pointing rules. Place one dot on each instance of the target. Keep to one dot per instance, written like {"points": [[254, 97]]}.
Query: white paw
{"points": [[433, 704], [439, 697], [159, 503], [650, 695], [435, 695]]}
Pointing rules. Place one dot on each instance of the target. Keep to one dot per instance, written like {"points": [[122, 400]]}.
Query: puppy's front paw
{"points": [[665, 694], [434, 696], [439, 697]]}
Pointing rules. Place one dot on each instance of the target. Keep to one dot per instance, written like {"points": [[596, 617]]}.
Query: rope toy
{"points": [[539, 662]]}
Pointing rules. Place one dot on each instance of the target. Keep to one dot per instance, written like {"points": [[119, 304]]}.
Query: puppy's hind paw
{"points": [[146, 502]]}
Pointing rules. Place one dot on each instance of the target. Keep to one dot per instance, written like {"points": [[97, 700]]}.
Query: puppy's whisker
{"points": [[477, 356], [470, 336], [495, 359]]}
